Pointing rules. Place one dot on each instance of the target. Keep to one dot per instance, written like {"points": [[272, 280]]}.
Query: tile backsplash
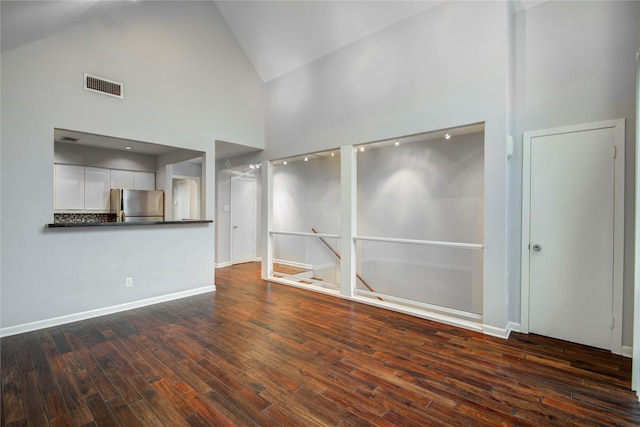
{"points": [[74, 218]]}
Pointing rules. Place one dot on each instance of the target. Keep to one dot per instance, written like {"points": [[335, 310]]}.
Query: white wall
{"points": [[575, 64], [187, 83], [442, 68]]}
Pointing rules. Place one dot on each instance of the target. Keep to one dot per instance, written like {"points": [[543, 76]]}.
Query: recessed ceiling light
{"points": [[447, 136], [361, 149], [306, 159], [127, 148], [333, 154], [284, 163], [397, 143]]}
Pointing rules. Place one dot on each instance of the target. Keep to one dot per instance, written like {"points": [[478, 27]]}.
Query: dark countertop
{"points": [[125, 224]]}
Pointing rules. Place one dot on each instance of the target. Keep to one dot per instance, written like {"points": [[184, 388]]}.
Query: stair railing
{"points": [[337, 255]]}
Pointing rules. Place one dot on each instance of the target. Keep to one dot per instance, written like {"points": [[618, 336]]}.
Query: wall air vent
{"points": [[103, 86]]}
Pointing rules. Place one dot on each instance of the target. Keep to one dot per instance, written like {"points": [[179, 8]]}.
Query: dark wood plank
{"points": [[123, 413], [102, 416], [144, 414], [255, 353], [12, 403], [34, 404]]}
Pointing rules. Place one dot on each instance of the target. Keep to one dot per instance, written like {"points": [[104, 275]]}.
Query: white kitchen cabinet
{"points": [[97, 188], [122, 179], [144, 181], [69, 187]]}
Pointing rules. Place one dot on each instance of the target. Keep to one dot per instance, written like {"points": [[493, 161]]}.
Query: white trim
{"points": [[421, 242], [618, 233], [303, 234], [627, 351], [501, 332], [348, 219], [308, 287], [55, 321], [267, 219], [424, 314], [496, 332], [228, 263], [431, 308], [436, 317], [635, 365], [293, 264]]}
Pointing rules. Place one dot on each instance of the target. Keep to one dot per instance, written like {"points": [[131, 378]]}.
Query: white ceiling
{"points": [[277, 36], [280, 36]]}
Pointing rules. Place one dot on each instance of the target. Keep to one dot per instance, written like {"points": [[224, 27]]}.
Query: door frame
{"points": [[618, 222], [198, 189], [232, 205]]}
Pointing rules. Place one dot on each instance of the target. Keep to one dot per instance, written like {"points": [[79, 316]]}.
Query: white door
{"points": [[185, 199], [571, 241], [243, 220]]}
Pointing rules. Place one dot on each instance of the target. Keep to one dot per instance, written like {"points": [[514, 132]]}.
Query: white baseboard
{"points": [[222, 264], [627, 351], [501, 332], [293, 264], [55, 321]]}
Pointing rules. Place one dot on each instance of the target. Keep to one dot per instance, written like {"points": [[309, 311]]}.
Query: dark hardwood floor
{"points": [[262, 354]]}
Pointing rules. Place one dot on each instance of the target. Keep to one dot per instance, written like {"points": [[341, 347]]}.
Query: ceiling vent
{"points": [[103, 86]]}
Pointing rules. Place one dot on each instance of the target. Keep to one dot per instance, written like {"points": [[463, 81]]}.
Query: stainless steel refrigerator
{"points": [[137, 205]]}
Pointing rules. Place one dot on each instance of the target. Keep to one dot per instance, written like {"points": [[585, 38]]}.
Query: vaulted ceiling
{"points": [[277, 36]]}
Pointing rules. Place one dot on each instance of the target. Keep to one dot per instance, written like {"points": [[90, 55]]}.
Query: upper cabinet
{"points": [[121, 179], [144, 181], [69, 186], [88, 188], [97, 186], [133, 180]]}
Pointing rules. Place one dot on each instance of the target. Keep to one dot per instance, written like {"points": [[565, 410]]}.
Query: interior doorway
{"points": [[573, 228], [186, 200], [243, 220]]}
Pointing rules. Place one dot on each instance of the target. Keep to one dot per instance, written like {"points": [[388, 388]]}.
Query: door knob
{"points": [[537, 247]]}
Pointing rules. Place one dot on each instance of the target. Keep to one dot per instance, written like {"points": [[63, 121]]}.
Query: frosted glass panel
{"points": [[424, 188], [307, 260], [441, 276]]}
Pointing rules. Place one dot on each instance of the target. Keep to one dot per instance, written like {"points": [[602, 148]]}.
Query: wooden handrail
{"points": [[339, 257]]}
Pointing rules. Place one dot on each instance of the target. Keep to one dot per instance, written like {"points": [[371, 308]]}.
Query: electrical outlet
{"points": [[128, 282]]}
